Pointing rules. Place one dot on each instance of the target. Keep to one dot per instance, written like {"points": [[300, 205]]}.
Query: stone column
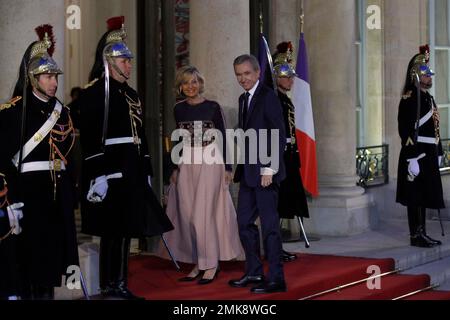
{"points": [[342, 208], [284, 23], [219, 32], [19, 19]]}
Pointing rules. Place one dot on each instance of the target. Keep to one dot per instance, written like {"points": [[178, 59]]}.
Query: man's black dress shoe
{"points": [[287, 256], [434, 241], [245, 280], [269, 287]]}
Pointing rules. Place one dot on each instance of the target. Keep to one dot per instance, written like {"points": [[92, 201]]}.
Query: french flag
{"points": [[304, 122]]}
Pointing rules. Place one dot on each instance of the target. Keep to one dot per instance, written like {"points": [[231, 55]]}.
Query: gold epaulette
{"points": [[90, 84], [407, 95], [11, 103]]}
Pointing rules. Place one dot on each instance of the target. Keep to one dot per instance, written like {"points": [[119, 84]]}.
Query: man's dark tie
{"points": [[244, 112]]}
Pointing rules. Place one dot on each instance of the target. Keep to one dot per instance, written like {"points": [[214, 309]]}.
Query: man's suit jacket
{"points": [[264, 112]]}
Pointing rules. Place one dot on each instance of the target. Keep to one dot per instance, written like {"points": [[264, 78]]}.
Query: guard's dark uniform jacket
{"points": [[130, 208], [47, 244], [9, 278], [292, 199], [426, 189]]}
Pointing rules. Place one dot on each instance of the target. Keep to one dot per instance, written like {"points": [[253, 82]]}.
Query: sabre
{"points": [[303, 232], [106, 112], [83, 286], [170, 253], [416, 133], [440, 221], [269, 59]]}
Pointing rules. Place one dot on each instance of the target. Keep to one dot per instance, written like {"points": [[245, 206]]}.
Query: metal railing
{"points": [[445, 164], [372, 165]]}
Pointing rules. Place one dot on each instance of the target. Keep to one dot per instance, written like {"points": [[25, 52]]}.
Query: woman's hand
{"points": [[174, 177]]}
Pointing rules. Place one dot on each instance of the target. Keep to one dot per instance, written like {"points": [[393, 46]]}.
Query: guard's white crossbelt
{"points": [[425, 118], [39, 135], [114, 141], [428, 140]]}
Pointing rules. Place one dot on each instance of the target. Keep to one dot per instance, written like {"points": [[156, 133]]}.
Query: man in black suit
{"points": [[259, 109]]}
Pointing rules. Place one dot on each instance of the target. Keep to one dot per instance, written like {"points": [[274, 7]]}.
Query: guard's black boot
{"points": [[422, 219], [121, 285], [105, 267], [43, 293], [417, 238]]}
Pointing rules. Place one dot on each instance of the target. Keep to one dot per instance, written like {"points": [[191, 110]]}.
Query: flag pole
{"points": [[302, 17], [261, 19]]}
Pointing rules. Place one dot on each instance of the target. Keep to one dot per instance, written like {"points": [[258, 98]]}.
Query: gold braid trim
{"points": [[4, 193]]}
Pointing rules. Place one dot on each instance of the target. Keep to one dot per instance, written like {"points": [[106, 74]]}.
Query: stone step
{"points": [[390, 240], [438, 270]]}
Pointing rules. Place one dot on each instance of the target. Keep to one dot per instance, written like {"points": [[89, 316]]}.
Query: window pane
{"points": [[444, 123], [442, 77], [441, 23]]}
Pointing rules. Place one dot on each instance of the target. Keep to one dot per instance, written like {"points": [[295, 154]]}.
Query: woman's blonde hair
{"points": [[182, 76]]}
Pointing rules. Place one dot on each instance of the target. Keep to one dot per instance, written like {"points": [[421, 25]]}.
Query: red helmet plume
{"points": [[115, 23]]}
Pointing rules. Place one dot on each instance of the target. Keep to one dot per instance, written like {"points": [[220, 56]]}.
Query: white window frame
{"points": [[434, 48]]}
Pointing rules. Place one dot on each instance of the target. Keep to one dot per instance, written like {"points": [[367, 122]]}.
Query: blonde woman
{"points": [[199, 202]]}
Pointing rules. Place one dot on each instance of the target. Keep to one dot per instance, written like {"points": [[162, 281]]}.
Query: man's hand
{"points": [[228, 177], [266, 180]]}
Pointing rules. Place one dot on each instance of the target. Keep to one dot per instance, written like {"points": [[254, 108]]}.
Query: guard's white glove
{"points": [[439, 161], [413, 167], [149, 181], [15, 214], [97, 191]]}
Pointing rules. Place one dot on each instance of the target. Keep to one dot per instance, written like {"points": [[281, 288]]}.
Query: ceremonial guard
{"points": [[118, 202], [36, 135], [292, 201], [419, 183]]}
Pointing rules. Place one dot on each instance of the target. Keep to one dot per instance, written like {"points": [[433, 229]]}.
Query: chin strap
{"points": [[117, 69], [43, 93]]}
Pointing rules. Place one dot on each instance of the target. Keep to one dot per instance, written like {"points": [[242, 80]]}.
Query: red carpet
{"points": [[156, 279]]}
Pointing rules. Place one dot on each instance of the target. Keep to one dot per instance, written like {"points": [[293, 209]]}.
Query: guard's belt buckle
{"points": [[57, 165]]}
